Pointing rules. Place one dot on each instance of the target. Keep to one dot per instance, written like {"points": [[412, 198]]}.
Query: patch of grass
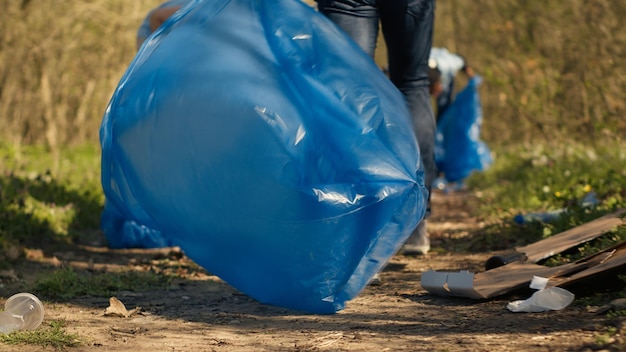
{"points": [[67, 283], [527, 179], [542, 177], [48, 198], [52, 335]]}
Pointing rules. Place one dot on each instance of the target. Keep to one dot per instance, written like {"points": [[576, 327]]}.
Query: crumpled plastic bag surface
{"points": [[262, 141], [459, 151]]}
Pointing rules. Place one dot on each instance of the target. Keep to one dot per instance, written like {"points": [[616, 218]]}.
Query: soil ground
{"points": [[199, 312]]}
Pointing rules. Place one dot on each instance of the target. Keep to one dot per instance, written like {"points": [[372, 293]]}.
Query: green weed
{"points": [[51, 335]]}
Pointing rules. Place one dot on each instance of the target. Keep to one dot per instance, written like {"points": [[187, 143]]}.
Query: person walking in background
{"points": [[458, 148], [407, 28], [156, 17]]}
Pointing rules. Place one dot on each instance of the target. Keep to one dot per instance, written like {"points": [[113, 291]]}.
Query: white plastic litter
{"points": [[23, 311], [551, 298]]}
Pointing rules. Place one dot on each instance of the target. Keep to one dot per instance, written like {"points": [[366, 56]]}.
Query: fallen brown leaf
{"points": [[117, 308]]}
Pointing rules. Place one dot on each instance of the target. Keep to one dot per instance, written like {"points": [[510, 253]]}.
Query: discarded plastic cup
{"points": [[554, 298], [22, 311], [551, 298]]}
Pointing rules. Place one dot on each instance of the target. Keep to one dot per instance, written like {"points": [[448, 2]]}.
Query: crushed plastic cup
{"points": [[22, 311], [554, 298], [550, 298]]}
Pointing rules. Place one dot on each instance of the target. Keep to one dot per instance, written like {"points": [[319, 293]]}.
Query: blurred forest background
{"points": [[553, 70]]}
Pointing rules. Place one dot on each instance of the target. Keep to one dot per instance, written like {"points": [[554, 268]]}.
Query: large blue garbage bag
{"points": [[459, 151], [262, 141]]}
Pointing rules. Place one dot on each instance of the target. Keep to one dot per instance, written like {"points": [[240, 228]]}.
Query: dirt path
{"points": [[199, 312]]}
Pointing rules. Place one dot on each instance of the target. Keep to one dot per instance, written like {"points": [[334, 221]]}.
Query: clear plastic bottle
{"points": [[22, 311], [546, 217]]}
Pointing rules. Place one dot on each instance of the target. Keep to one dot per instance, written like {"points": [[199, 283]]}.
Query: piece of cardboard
{"points": [[571, 238], [516, 275]]}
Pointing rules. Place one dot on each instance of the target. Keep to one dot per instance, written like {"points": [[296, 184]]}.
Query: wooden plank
{"points": [[613, 259], [563, 241]]}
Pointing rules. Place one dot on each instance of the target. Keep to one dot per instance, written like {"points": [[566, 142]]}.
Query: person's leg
{"points": [[358, 18], [445, 99], [408, 28]]}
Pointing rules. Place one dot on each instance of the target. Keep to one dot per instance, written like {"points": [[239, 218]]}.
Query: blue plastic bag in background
{"points": [[458, 148], [262, 141]]}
